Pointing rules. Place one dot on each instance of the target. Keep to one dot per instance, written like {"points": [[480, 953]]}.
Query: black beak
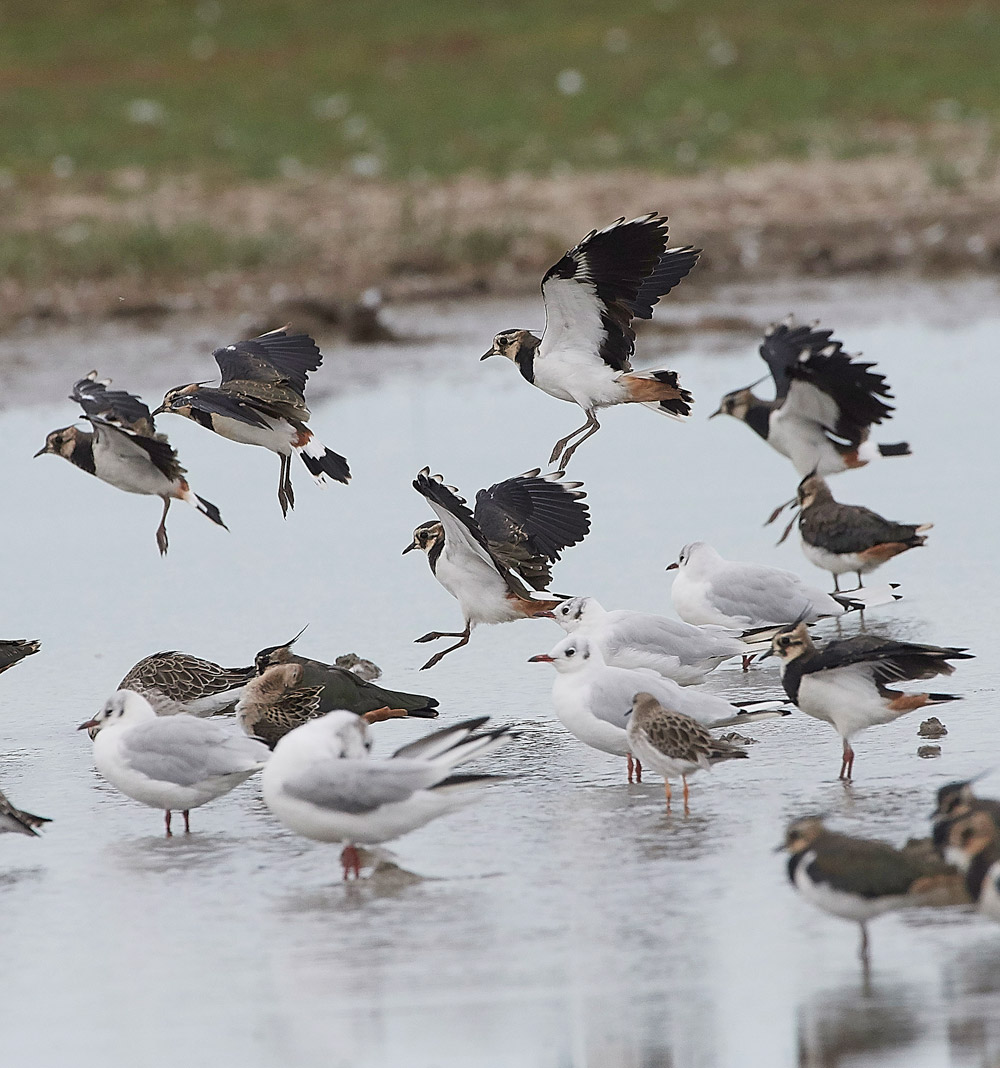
{"points": [[719, 411], [764, 656], [41, 452], [487, 355], [412, 545], [159, 411]]}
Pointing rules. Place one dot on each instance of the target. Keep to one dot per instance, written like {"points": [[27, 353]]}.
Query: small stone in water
{"points": [[738, 739], [932, 728], [928, 752]]}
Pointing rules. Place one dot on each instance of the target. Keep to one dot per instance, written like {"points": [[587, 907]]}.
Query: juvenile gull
{"points": [[169, 762], [321, 782]]}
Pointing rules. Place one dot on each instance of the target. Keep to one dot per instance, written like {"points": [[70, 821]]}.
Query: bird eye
{"points": [[570, 652]]}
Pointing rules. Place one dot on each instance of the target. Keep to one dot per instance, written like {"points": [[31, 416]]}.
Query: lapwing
{"points": [[322, 783], [825, 402], [593, 700], [14, 650], [591, 296], [123, 449], [260, 400], [487, 558], [976, 838], [846, 683], [672, 744], [173, 763], [677, 650], [174, 682], [17, 821], [857, 878], [843, 538], [955, 801], [729, 593]]}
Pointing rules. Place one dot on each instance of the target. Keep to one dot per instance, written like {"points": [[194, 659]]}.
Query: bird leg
{"points": [[289, 492], [861, 585], [687, 810], [638, 770], [666, 787], [563, 442], [591, 427], [863, 948], [385, 712], [836, 582], [284, 499], [747, 661], [351, 861], [847, 766], [433, 636], [187, 822], [167, 815], [161, 530], [463, 640], [630, 765]]}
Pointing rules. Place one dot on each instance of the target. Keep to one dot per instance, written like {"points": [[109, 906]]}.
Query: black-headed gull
{"points": [[591, 296], [593, 701], [710, 589], [260, 400], [843, 538], [321, 782], [672, 744], [679, 651], [846, 683], [123, 449], [169, 762], [857, 878], [824, 406], [488, 558]]}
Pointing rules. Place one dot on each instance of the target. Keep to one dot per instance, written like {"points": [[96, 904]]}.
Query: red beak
{"points": [[545, 615], [673, 566], [90, 723], [542, 658]]}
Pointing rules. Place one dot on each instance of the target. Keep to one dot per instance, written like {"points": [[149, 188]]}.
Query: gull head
{"points": [[695, 557], [574, 653], [576, 612], [123, 707], [426, 537]]}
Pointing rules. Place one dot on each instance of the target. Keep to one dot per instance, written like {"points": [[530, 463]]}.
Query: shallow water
{"points": [[566, 919]]}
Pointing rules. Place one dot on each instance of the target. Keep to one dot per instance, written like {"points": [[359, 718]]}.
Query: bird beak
{"points": [[542, 658], [90, 723], [780, 848], [673, 567], [764, 656], [487, 355], [159, 411], [545, 615], [412, 545], [41, 452], [719, 411]]}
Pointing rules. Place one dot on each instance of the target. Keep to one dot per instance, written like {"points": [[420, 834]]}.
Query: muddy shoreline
{"points": [[416, 241]]}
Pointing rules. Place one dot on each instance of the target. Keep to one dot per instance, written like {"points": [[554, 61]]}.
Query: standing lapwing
{"points": [[260, 400], [591, 296], [672, 744], [858, 878], [14, 650], [825, 403], [976, 839], [487, 558], [846, 683], [842, 538], [592, 700], [123, 449]]}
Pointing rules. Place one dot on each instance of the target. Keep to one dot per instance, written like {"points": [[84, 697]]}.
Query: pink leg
{"points": [[351, 861], [638, 770], [687, 811], [629, 764], [169, 832], [747, 661], [666, 788], [187, 824], [847, 764]]}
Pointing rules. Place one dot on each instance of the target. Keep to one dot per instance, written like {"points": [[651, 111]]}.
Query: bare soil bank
{"points": [[890, 213]]}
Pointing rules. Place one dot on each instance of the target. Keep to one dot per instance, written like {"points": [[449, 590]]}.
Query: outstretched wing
{"points": [[786, 345], [273, 367], [114, 406], [528, 520], [589, 294], [209, 402], [461, 532], [674, 266]]}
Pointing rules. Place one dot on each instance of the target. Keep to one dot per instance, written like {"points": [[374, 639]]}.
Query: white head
{"points": [[339, 735], [575, 653], [123, 707], [695, 557], [577, 612]]}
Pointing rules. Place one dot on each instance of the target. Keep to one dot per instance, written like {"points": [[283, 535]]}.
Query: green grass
{"points": [[258, 88]]}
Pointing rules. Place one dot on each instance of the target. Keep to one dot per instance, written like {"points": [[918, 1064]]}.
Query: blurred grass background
{"points": [[420, 89]]}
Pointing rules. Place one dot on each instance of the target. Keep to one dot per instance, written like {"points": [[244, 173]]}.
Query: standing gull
{"points": [[169, 762], [591, 297], [321, 782]]}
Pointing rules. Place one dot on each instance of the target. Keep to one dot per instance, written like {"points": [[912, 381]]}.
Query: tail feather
{"points": [[323, 463], [660, 390], [899, 448], [210, 510], [942, 698]]}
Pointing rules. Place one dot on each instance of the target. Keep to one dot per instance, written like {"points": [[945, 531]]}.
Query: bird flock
{"points": [[626, 683]]}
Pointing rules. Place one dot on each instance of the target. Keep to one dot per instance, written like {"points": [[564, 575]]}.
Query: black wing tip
{"points": [[330, 463]]}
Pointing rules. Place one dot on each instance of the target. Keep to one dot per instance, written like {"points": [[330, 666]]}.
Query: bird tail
{"points": [[868, 597], [659, 390], [942, 698], [899, 448], [870, 450], [206, 508], [451, 746], [322, 463]]}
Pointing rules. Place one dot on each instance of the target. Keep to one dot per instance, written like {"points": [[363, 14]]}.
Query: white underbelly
{"points": [[804, 443], [838, 563], [574, 715], [583, 380], [131, 473], [846, 700], [277, 436], [477, 587]]}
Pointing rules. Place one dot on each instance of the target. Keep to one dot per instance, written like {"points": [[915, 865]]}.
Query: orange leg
{"points": [[666, 785], [638, 770], [351, 861], [847, 765], [687, 810], [630, 765], [378, 714]]}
